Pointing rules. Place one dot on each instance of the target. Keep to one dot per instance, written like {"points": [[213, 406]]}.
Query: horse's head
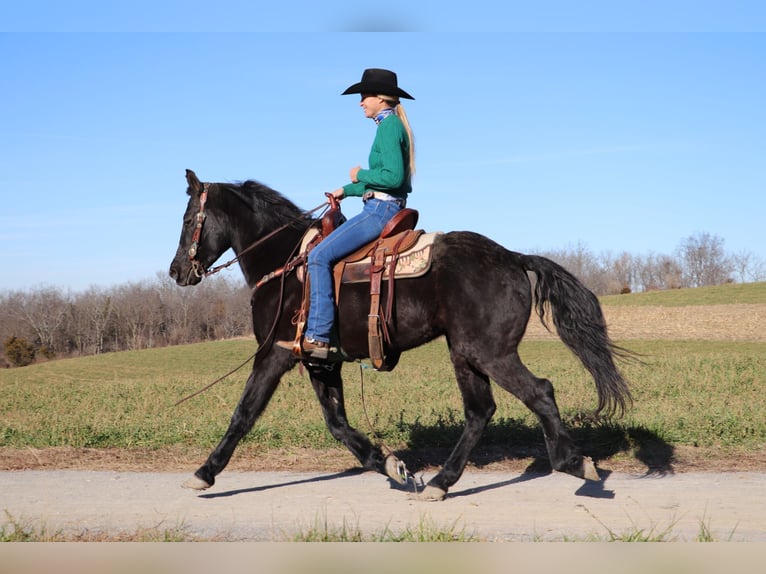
{"points": [[203, 236]]}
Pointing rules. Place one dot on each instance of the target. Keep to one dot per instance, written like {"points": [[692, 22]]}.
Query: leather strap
{"points": [[389, 315], [374, 334]]}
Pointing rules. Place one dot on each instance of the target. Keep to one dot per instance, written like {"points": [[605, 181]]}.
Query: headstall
{"points": [[197, 267]]}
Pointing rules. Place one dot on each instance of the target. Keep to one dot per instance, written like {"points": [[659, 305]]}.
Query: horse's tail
{"points": [[580, 323]]}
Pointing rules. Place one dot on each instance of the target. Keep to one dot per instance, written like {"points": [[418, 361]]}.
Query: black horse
{"points": [[477, 295]]}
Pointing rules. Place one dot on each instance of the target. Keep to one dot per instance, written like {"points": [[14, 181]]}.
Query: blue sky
{"points": [[616, 141]]}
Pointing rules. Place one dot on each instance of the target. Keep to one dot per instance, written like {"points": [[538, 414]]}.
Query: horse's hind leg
{"points": [[328, 385], [538, 395], [479, 406]]}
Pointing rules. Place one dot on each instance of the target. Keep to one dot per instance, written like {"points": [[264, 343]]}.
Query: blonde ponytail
{"points": [[406, 122], [399, 108]]}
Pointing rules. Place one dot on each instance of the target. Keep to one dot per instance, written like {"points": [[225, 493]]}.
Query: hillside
{"points": [[735, 312], [731, 294]]}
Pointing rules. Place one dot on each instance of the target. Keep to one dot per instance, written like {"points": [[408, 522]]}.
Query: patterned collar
{"points": [[383, 115]]}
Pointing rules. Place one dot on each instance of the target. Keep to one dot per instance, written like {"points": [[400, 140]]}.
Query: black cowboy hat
{"points": [[379, 82]]}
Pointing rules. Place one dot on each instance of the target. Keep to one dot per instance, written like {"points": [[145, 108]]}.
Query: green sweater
{"points": [[389, 162]]}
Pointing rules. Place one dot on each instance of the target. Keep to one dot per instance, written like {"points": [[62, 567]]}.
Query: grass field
{"points": [[722, 313], [702, 395], [733, 294]]}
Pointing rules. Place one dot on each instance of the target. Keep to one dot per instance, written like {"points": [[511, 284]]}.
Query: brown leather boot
{"points": [[311, 349]]}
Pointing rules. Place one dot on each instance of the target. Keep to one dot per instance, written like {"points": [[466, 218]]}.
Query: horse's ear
{"points": [[194, 183]]}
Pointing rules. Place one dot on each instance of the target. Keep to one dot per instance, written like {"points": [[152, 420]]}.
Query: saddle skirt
{"points": [[413, 259]]}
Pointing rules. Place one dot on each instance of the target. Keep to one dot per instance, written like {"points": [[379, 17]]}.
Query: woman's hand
{"points": [[338, 194], [353, 173]]}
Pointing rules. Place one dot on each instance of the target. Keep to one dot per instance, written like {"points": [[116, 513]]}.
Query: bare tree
{"points": [[582, 264], [97, 310], [233, 312], [77, 330], [45, 309], [604, 275], [656, 272], [747, 267], [12, 322], [138, 315], [178, 304], [704, 260], [625, 272], [217, 308], [617, 274]]}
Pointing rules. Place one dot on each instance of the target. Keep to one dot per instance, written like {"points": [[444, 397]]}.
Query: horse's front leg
{"points": [[259, 389], [328, 385]]}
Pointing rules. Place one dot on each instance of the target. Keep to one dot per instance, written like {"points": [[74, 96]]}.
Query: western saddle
{"points": [[372, 262]]}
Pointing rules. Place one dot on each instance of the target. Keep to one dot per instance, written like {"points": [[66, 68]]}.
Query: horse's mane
{"points": [[264, 201]]}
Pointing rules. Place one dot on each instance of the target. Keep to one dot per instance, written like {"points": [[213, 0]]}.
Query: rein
{"points": [[218, 380], [197, 267]]}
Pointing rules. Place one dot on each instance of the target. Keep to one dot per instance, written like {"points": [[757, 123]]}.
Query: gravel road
{"points": [[269, 506]]}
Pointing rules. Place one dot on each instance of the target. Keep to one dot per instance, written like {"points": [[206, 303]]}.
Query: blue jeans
{"points": [[347, 238]]}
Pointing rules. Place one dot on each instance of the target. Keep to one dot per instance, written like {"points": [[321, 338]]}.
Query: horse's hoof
{"points": [[431, 494], [195, 483], [395, 470], [589, 470]]}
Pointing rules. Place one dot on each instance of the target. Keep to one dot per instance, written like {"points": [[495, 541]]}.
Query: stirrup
{"points": [[318, 350]]}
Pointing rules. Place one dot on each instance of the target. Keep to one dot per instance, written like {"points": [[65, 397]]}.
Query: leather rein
{"points": [[197, 266], [199, 270]]}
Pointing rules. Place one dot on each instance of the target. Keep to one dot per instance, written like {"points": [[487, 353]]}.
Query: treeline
{"points": [[699, 260], [47, 322]]}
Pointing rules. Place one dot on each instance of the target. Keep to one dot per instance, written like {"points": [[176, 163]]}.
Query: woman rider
{"points": [[383, 187]]}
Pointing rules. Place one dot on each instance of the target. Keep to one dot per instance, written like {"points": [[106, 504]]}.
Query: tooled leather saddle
{"points": [[399, 252]]}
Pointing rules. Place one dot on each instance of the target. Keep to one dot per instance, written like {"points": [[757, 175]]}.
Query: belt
{"points": [[384, 197]]}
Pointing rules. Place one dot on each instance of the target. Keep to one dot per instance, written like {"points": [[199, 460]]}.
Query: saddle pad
{"points": [[413, 262], [308, 237]]}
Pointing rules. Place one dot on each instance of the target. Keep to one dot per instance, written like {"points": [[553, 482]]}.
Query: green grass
{"points": [[694, 393], [425, 531], [740, 293], [687, 393], [127, 399], [21, 530], [655, 533]]}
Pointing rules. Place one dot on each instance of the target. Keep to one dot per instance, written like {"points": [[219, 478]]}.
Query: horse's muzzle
{"points": [[186, 276]]}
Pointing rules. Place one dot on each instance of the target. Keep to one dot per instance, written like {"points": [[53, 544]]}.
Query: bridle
{"points": [[197, 268], [200, 272]]}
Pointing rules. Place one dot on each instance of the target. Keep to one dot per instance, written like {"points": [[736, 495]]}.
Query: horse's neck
{"points": [[262, 234], [270, 255]]}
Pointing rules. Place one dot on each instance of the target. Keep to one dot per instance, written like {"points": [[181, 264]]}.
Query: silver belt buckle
{"points": [[384, 197]]}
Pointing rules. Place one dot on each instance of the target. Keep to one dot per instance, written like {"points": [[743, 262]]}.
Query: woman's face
{"points": [[372, 105]]}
